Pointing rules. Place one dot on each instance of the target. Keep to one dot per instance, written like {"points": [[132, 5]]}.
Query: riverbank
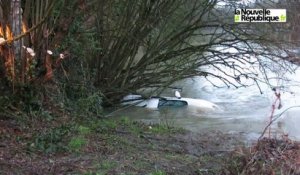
{"points": [[64, 145]]}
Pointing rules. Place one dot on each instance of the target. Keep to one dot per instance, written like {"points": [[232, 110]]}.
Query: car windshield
{"points": [[176, 103]]}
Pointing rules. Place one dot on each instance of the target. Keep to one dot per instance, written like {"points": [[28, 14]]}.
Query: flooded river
{"points": [[244, 110]]}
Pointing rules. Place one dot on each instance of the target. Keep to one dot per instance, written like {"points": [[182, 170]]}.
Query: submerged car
{"points": [[158, 102]]}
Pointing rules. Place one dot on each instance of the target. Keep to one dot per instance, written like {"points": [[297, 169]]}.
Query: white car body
{"points": [[157, 102]]}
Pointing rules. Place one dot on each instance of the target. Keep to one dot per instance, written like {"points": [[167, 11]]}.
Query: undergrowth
{"points": [[74, 136], [267, 156], [52, 140]]}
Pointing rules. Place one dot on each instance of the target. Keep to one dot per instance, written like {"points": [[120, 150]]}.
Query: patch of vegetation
{"points": [[138, 128], [107, 165], [211, 164], [83, 130], [103, 167], [106, 125], [77, 143], [267, 156], [103, 125], [53, 140], [90, 105], [165, 129], [124, 146], [141, 164], [60, 139], [26, 99]]}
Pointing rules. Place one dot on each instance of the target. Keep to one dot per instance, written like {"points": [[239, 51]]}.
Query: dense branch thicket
{"points": [[154, 43], [121, 46]]}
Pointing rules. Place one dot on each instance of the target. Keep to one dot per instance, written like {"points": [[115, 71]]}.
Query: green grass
{"points": [[158, 172], [83, 130], [107, 165], [50, 141], [163, 129], [102, 125], [74, 136], [77, 143]]}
